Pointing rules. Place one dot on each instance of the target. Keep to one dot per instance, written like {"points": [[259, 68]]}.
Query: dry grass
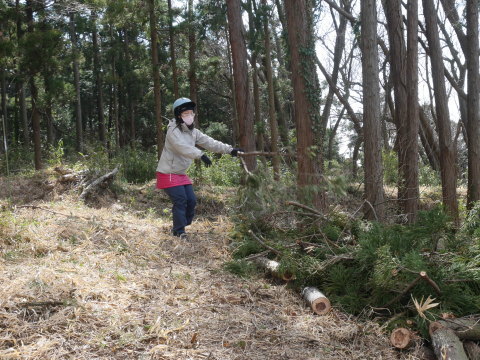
{"points": [[109, 282]]}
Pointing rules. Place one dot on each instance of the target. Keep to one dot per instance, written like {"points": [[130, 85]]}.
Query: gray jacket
{"points": [[179, 150]]}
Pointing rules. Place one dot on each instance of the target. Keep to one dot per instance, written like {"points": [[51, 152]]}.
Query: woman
{"points": [[178, 154]]}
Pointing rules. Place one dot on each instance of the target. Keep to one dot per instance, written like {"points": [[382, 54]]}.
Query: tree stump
{"points": [[318, 302], [447, 345]]}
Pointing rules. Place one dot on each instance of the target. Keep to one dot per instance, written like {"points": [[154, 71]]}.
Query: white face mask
{"points": [[188, 119]]}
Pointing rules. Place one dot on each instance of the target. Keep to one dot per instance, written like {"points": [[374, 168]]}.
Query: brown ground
{"points": [[105, 280]]}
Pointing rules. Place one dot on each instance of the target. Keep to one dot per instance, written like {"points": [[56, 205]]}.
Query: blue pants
{"points": [[183, 210]]}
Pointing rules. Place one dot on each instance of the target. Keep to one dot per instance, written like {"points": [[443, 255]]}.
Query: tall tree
{"points": [[396, 37], [412, 120], [173, 58], [271, 97], [240, 73], [302, 55], [156, 76], [192, 56], [473, 101], [76, 81], [371, 113], [447, 152], [37, 146], [97, 70]]}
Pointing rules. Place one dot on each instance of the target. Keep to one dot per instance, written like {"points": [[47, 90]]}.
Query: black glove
{"points": [[235, 151], [206, 160]]}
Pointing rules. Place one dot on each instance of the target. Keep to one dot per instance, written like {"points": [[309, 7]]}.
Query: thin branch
{"points": [[275, 251]]}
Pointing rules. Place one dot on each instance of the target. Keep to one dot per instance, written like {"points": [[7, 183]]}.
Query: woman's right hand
{"points": [[206, 160]]}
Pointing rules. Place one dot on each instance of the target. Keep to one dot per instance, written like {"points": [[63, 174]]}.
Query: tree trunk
{"points": [[3, 86], [393, 13], [259, 124], [447, 151], [37, 146], [374, 209], [271, 98], [234, 121], [412, 119], [192, 58], [98, 83], [156, 77], [173, 60], [23, 115], [301, 45], [429, 142], [240, 73], [337, 58], [473, 103], [114, 96], [76, 80], [129, 94]]}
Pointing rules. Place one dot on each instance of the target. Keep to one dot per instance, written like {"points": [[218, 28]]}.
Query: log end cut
{"points": [[402, 338], [321, 306]]}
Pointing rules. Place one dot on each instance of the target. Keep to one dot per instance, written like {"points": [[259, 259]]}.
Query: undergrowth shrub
{"points": [[138, 166]]}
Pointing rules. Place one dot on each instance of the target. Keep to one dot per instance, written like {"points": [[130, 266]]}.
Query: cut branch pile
{"points": [[83, 180]]}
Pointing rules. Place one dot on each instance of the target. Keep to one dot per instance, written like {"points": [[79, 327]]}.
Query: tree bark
{"points": [[467, 328], [447, 151], [156, 77], [371, 113], [306, 110], [242, 93], [447, 345], [473, 103]]}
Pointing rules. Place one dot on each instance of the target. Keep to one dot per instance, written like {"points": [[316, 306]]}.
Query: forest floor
{"points": [[105, 280]]}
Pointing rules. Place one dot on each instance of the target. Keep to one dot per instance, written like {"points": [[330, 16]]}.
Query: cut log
{"points": [[466, 328], [97, 182], [402, 338], [272, 267], [318, 302], [472, 350], [447, 345]]}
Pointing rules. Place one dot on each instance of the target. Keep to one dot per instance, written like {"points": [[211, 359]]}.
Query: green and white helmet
{"points": [[182, 104]]}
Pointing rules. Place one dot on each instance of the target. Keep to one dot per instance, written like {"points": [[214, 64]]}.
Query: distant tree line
{"points": [[281, 76]]}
